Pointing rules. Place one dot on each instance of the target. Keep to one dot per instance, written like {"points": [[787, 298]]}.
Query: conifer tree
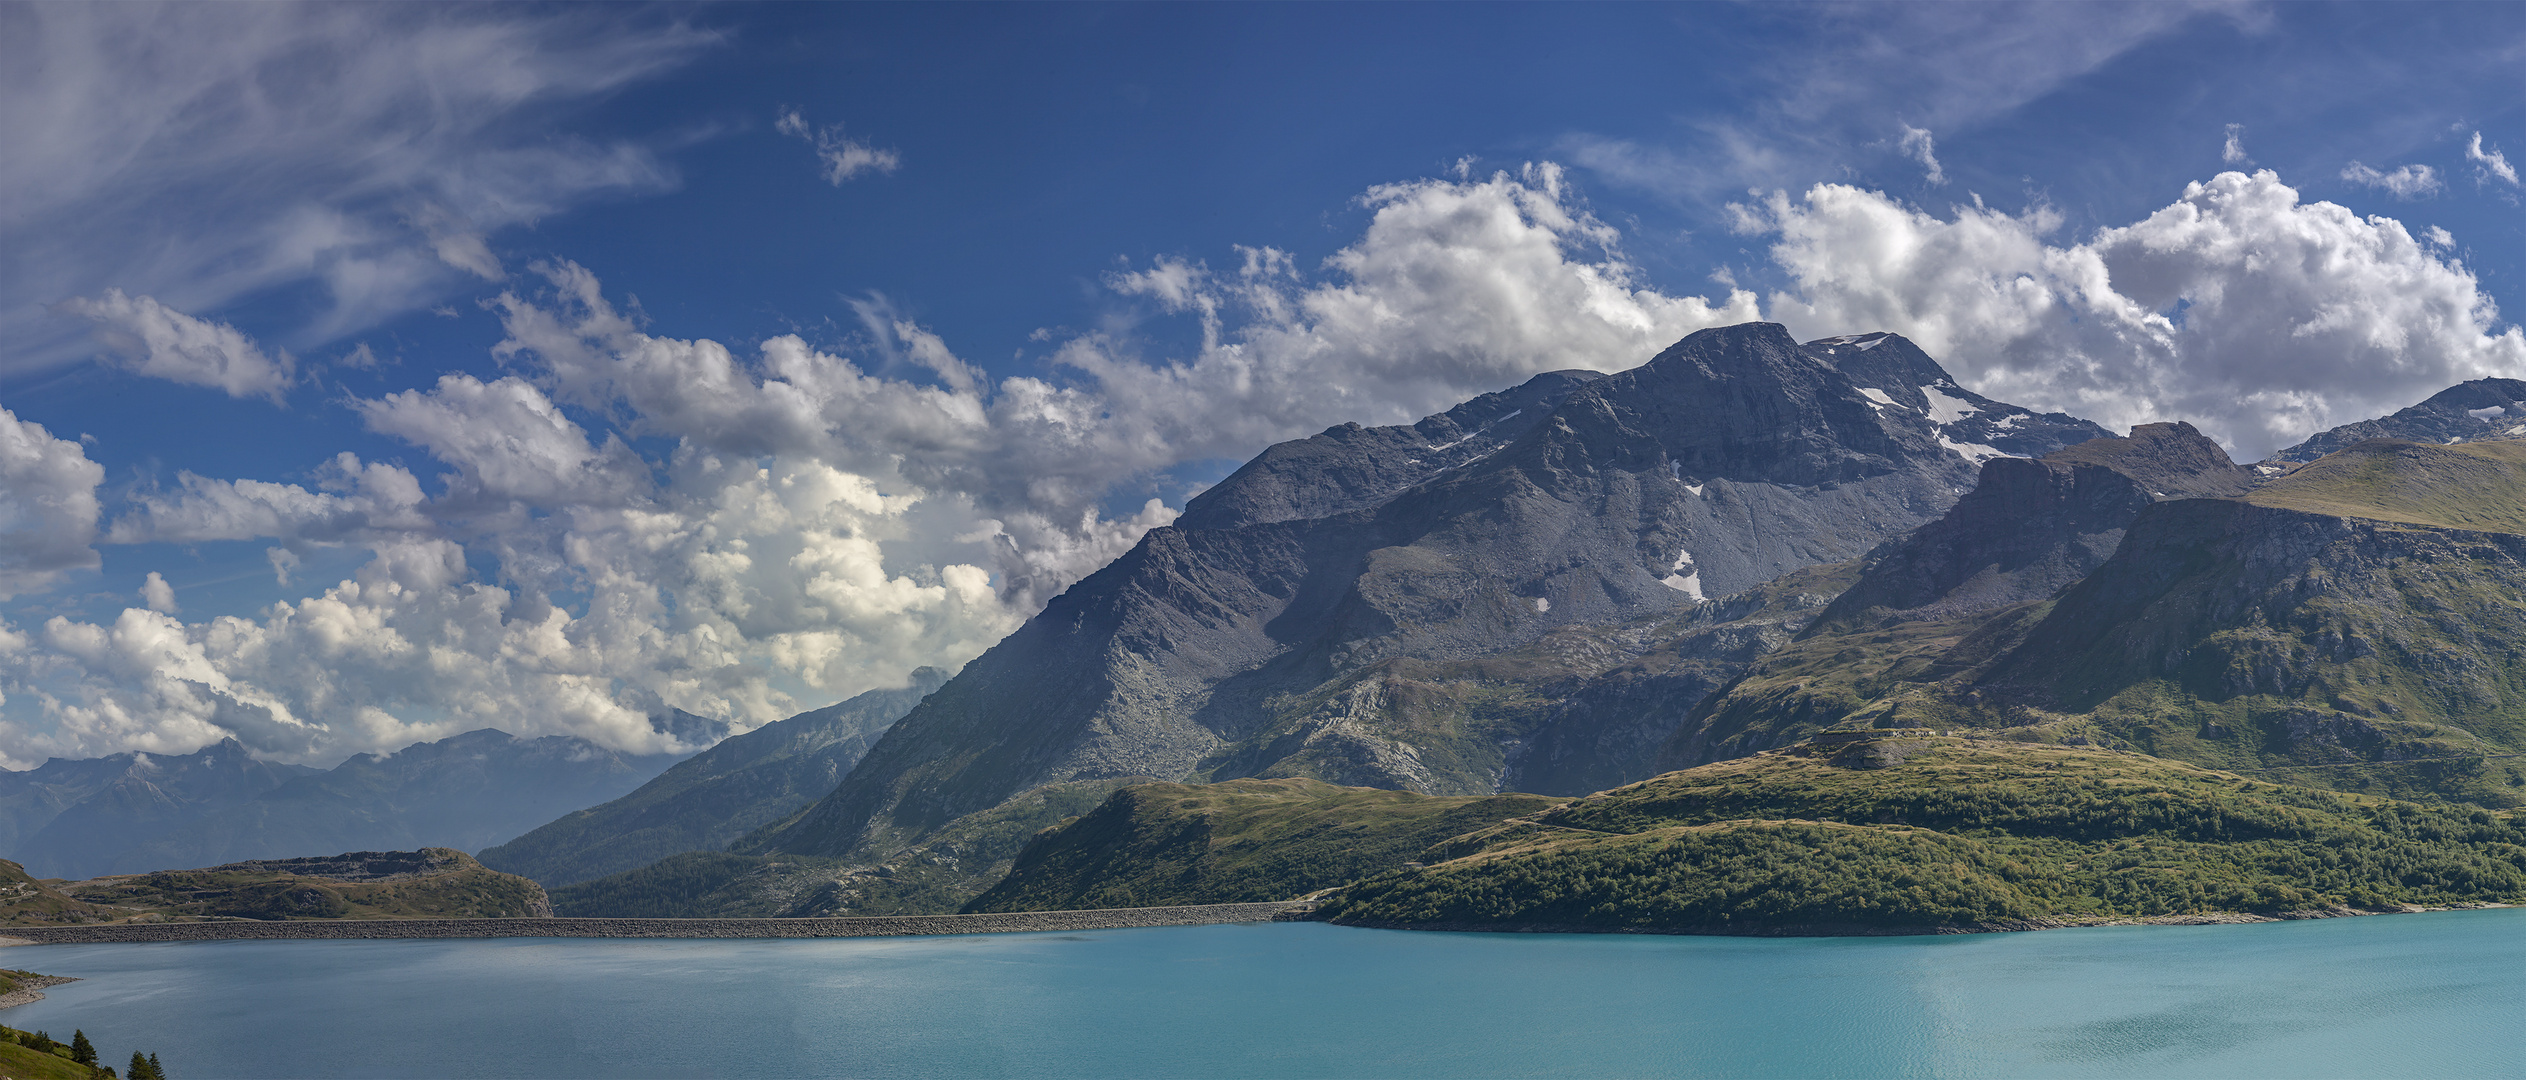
{"points": [[81, 1050], [139, 1069], [156, 1071]]}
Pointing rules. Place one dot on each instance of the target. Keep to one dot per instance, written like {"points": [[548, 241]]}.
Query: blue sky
{"points": [[1032, 274]]}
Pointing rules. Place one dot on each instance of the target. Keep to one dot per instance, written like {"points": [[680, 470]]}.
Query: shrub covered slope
{"points": [[1242, 841], [1911, 832]]}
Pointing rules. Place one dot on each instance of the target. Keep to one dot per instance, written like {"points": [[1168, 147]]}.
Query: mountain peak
{"points": [[2468, 411], [2170, 459]]}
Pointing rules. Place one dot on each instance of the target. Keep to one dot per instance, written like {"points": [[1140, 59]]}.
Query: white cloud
{"points": [[200, 153], [353, 502], [508, 441], [2439, 237], [841, 157], [157, 595], [2234, 151], [2258, 317], [1917, 145], [1843, 79], [815, 529], [163, 343], [2408, 182], [2492, 161], [48, 509]]}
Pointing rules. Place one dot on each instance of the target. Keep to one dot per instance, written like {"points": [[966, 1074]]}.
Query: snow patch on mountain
{"points": [[1678, 579], [1945, 409]]}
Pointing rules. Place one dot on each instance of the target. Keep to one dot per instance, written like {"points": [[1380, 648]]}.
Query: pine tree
{"points": [[81, 1050], [156, 1071], [139, 1069]]}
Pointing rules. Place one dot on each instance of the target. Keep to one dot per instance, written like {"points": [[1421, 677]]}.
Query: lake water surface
{"points": [[2397, 996]]}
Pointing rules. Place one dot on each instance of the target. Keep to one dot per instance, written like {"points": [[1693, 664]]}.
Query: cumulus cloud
{"points": [[2234, 151], [842, 158], [157, 595], [2492, 162], [509, 442], [801, 526], [2408, 182], [352, 502], [163, 343], [48, 509], [1917, 145], [2252, 314]]}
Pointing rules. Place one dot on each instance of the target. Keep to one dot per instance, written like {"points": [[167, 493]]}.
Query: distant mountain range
{"points": [[716, 796], [134, 813]]}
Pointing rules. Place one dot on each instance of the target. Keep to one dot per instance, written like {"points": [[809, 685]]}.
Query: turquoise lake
{"points": [[2397, 996]]}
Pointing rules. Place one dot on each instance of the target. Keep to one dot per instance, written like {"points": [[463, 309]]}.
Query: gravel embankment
{"points": [[867, 926]]}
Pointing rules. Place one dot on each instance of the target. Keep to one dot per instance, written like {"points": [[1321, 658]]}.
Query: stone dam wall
{"points": [[863, 926]]}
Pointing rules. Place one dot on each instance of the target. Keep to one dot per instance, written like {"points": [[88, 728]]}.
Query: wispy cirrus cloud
{"points": [[2492, 163], [2406, 182], [841, 158], [198, 154], [1859, 71]]}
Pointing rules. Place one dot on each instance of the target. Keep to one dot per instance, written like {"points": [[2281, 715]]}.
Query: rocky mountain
{"points": [[2351, 623], [716, 796], [1552, 534], [132, 813], [1956, 590], [2480, 409]]}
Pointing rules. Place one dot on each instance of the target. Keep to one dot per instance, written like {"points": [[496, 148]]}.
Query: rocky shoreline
{"points": [[862, 926], [31, 990]]}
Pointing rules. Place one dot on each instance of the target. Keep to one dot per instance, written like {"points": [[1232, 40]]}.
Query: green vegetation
{"points": [[34, 1055], [1910, 831], [1236, 842], [693, 885], [2478, 486], [26, 901], [938, 875], [453, 886]]}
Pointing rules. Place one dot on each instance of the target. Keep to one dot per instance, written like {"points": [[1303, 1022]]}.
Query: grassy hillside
{"points": [[1911, 831], [2478, 486], [434, 883], [1237, 842], [27, 901], [23, 1062]]}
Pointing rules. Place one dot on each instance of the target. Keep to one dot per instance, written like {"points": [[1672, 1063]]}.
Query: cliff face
{"points": [[1250, 640]]}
